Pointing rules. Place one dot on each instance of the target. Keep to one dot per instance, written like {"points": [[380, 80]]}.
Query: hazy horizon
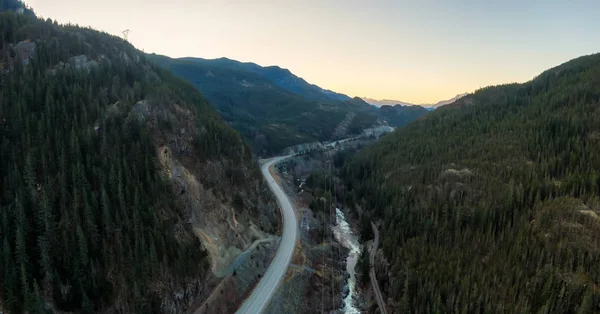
{"points": [[413, 51]]}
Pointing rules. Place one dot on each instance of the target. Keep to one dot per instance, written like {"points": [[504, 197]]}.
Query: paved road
{"points": [[259, 299], [374, 282]]}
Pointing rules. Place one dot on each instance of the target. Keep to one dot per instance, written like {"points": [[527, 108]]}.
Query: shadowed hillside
{"points": [[491, 204], [113, 175]]}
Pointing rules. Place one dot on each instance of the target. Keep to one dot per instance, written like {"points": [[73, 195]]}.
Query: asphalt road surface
{"points": [[262, 293]]}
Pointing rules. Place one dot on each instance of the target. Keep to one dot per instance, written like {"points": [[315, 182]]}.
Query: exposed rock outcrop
{"points": [[83, 62], [226, 223], [25, 50]]}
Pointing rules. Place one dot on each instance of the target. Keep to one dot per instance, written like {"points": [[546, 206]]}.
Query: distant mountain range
{"points": [[446, 102], [391, 102], [279, 76], [273, 108], [385, 102]]}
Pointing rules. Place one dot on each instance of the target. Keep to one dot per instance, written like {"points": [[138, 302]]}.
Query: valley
{"points": [[174, 180], [274, 109], [135, 182], [323, 275]]}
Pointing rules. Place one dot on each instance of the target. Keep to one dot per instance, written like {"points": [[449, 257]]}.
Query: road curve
{"points": [[262, 293], [374, 283]]}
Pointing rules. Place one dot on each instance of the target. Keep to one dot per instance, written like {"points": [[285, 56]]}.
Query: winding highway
{"points": [[262, 293]]}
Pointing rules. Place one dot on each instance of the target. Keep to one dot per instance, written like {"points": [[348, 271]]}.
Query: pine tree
{"points": [[588, 304]]}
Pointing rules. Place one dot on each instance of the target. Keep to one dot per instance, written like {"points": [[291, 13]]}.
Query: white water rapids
{"points": [[344, 235]]}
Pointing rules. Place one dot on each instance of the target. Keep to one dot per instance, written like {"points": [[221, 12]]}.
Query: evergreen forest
{"points": [[491, 204], [88, 220]]}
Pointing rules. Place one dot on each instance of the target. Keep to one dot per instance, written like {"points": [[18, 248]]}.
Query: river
{"points": [[344, 235]]}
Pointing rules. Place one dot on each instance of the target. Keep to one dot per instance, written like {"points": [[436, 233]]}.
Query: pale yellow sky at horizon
{"points": [[412, 51]]}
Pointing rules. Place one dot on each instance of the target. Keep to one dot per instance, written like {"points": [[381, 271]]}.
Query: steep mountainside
{"points": [[491, 204], [119, 185], [270, 117]]}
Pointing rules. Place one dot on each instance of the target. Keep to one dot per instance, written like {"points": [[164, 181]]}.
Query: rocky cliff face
{"points": [[226, 203]]}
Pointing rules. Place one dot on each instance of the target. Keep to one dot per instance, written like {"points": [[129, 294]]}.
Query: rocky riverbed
{"points": [[347, 238]]}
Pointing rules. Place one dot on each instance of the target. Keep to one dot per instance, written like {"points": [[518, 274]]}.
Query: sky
{"points": [[420, 51]]}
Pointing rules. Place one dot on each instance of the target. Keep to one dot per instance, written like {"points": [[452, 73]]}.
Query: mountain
{"points": [[385, 102], [280, 77], [116, 178], [271, 117], [391, 102], [398, 115], [275, 109], [491, 204]]}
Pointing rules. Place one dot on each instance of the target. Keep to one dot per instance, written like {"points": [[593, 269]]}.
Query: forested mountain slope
{"points": [[269, 116], [278, 76], [112, 171], [491, 204]]}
